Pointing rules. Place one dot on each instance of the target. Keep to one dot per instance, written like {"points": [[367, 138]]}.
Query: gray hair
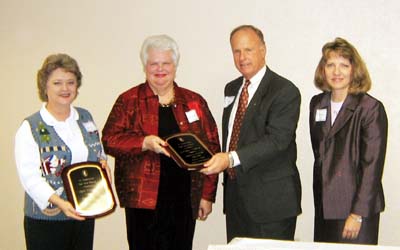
{"points": [[159, 42]]}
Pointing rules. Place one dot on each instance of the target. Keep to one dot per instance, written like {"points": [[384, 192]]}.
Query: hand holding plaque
{"points": [[188, 150], [88, 189]]}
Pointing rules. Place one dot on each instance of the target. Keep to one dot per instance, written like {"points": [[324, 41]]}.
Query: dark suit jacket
{"points": [[349, 156], [268, 179]]}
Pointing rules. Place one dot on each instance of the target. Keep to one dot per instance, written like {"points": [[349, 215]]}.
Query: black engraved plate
{"points": [[188, 150]]}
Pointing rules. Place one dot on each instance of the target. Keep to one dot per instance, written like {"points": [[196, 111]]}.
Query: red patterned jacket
{"points": [[137, 173]]}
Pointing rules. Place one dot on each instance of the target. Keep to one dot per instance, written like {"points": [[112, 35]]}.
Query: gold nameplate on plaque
{"points": [[188, 150], [88, 189]]}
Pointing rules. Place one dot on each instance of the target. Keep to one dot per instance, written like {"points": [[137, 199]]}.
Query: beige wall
{"points": [[105, 37]]}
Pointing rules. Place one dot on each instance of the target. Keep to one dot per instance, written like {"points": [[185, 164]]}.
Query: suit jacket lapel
{"points": [[252, 107], [346, 112]]}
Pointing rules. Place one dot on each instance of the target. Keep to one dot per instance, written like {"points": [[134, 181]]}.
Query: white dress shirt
{"points": [[254, 83]]}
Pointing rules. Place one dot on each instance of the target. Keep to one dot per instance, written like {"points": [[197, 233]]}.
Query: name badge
{"points": [[320, 116], [192, 116], [228, 100], [90, 126]]}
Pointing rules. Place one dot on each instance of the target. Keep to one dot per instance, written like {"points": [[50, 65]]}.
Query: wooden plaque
{"points": [[88, 189], [188, 150]]}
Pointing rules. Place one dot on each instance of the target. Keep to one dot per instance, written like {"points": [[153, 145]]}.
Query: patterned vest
{"points": [[55, 155]]}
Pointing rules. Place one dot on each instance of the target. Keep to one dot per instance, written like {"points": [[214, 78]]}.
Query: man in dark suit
{"points": [[262, 190]]}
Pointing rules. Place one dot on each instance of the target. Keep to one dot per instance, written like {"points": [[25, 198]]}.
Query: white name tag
{"points": [[228, 100], [320, 116], [192, 116], [90, 126]]}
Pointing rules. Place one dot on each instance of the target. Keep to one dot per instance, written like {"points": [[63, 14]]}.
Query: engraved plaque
{"points": [[188, 150], [88, 189]]}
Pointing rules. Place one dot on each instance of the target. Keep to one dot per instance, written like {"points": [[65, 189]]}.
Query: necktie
{"points": [[237, 124]]}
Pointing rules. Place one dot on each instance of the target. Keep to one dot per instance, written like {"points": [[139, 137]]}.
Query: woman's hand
{"points": [[205, 209], [105, 166], [155, 144], [65, 207], [352, 227]]}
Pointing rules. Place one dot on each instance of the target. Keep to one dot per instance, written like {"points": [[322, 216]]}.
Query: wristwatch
{"points": [[358, 219], [230, 156]]}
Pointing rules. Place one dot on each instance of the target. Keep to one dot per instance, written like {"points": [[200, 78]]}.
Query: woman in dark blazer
{"points": [[348, 131]]}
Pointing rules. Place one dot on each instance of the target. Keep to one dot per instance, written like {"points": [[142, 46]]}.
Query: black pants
{"points": [[331, 231], [60, 235], [240, 224], [169, 227]]}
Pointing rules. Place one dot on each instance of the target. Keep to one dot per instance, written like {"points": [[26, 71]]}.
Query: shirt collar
{"points": [[49, 119], [256, 79]]}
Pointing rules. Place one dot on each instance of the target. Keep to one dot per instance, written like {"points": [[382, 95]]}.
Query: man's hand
{"points": [[218, 163]]}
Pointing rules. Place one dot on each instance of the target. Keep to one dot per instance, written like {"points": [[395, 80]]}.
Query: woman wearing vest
{"points": [[47, 141], [348, 131]]}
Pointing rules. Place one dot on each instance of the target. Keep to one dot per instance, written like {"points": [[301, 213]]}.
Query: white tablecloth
{"points": [[262, 244]]}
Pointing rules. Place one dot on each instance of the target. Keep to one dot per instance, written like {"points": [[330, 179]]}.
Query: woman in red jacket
{"points": [[161, 200]]}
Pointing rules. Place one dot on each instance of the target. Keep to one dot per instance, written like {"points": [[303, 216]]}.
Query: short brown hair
{"points": [[249, 27], [51, 63], [360, 80]]}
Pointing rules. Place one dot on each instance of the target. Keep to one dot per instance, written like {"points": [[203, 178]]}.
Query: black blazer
{"points": [[349, 156], [267, 178]]}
